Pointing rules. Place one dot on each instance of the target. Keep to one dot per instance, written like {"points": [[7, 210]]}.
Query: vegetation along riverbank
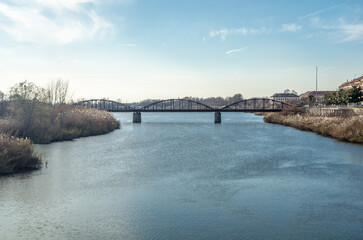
{"points": [[30, 114], [17, 154], [345, 128]]}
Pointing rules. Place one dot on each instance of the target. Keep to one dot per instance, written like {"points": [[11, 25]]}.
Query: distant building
{"points": [[320, 94], [358, 82], [285, 97]]}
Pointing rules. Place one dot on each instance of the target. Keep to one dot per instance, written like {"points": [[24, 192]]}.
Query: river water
{"points": [[180, 176]]}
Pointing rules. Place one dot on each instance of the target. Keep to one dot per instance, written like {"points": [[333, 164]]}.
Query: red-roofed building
{"points": [[358, 82]]}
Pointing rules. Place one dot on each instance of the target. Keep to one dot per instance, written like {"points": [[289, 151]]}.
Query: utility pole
{"points": [[316, 86]]}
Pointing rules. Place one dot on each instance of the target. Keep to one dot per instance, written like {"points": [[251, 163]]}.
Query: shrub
{"points": [[17, 154]]}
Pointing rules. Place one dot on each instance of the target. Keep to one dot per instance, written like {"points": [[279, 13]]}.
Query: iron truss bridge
{"points": [[186, 105]]}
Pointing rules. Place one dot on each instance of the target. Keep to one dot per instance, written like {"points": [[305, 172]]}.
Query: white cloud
{"points": [[291, 27], [338, 30], [52, 21], [74, 5], [235, 51], [351, 32], [223, 33], [127, 44]]}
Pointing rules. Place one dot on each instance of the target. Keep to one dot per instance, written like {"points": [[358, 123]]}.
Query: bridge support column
{"points": [[217, 117], [136, 117]]}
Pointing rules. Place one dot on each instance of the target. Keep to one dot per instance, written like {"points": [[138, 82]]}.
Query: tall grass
{"points": [[48, 124], [81, 121], [348, 129], [17, 154]]}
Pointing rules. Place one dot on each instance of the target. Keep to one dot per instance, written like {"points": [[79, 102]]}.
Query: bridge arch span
{"points": [[256, 104], [177, 105], [108, 105]]}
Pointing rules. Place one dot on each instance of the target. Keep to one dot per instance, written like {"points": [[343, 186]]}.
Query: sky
{"points": [[139, 49]]}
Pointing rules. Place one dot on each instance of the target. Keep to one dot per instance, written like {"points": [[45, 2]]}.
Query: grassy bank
{"points": [[17, 154], [348, 129], [49, 124], [81, 122]]}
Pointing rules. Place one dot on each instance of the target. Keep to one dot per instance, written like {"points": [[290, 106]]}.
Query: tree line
{"points": [[344, 96]]}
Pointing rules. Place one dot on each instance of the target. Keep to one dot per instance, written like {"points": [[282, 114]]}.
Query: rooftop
{"points": [[356, 80], [285, 95]]}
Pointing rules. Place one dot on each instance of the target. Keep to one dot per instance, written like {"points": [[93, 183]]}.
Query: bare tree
{"points": [[237, 97], [24, 97], [58, 92], [57, 95]]}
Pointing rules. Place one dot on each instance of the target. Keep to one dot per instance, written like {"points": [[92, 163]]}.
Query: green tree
{"points": [[342, 96], [355, 94], [331, 98], [311, 99]]}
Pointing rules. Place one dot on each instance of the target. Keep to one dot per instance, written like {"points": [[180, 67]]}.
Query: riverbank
{"points": [[48, 125], [16, 149], [17, 154], [349, 129]]}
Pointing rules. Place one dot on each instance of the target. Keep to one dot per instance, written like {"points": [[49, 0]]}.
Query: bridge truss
{"points": [[187, 105], [108, 105], [255, 105], [177, 105]]}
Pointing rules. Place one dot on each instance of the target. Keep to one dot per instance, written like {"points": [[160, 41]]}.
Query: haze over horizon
{"points": [[134, 50]]}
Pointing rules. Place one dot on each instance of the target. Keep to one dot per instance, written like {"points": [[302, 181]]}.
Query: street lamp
{"points": [[316, 86]]}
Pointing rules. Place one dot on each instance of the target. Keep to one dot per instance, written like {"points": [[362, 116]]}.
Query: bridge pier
{"points": [[136, 117], [217, 117]]}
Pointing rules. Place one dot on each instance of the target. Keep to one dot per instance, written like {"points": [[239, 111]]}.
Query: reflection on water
{"points": [[179, 176]]}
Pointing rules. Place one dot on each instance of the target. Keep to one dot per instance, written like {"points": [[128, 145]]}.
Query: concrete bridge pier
{"points": [[136, 117], [217, 117]]}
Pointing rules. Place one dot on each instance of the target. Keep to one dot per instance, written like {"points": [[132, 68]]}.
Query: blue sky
{"points": [[133, 49]]}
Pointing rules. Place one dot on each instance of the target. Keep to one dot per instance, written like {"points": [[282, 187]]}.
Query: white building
{"points": [[285, 97]]}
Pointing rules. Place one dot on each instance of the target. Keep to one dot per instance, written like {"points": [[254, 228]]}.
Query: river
{"points": [[180, 176]]}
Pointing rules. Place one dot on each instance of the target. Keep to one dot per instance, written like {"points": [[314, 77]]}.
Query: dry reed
{"points": [[348, 129], [57, 124], [17, 154]]}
